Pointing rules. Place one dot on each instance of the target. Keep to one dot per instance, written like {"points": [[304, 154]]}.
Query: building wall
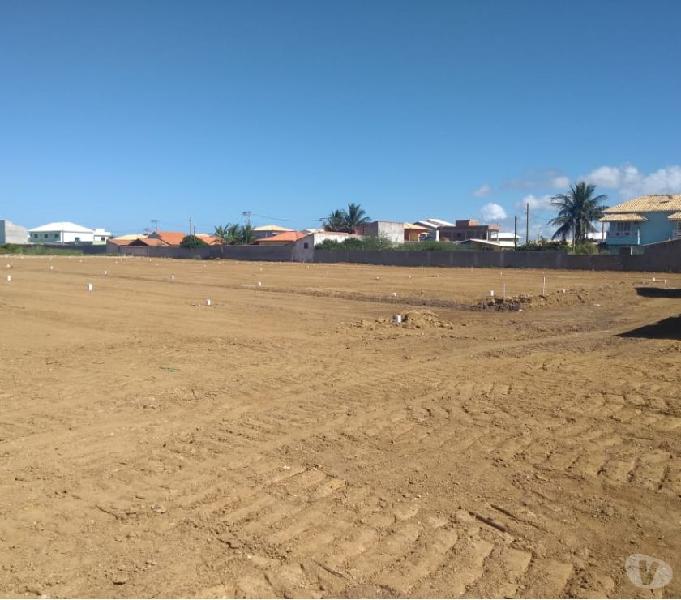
{"points": [[658, 228], [390, 230], [459, 234], [10, 233], [62, 237]]}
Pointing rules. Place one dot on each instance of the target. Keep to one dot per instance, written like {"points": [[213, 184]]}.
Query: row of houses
{"points": [[398, 232], [160, 238], [61, 232], [644, 220]]}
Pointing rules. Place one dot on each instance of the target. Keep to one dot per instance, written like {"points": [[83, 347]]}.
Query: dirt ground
{"points": [[288, 440]]}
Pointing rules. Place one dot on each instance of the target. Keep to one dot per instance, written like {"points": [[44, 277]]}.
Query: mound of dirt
{"points": [[512, 303], [559, 297], [413, 319], [422, 319]]}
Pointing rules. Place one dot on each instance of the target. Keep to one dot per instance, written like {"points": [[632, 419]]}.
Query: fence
{"points": [[265, 253], [665, 256]]}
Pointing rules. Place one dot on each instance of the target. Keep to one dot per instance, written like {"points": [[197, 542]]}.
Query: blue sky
{"points": [[116, 113]]}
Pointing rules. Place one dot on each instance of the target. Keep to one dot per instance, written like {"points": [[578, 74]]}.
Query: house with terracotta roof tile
{"points": [[281, 239], [644, 220], [169, 238]]}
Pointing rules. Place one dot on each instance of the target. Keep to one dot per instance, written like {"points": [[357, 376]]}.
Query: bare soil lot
{"points": [[288, 440]]}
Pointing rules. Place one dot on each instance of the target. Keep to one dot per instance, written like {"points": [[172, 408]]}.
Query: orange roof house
{"points": [[147, 241], [282, 239], [169, 238], [211, 240]]}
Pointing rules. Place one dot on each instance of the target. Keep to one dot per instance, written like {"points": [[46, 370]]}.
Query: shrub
{"points": [[586, 248], [38, 250], [543, 245], [367, 243], [431, 246], [191, 241]]}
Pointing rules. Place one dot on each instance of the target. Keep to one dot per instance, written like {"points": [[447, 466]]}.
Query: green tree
{"points": [[346, 221], [229, 234], [336, 221], [577, 210], [355, 216], [246, 234], [191, 241]]}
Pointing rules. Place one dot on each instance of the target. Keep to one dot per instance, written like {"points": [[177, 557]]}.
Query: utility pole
{"points": [[515, 232], [247, 215], [190, 225], [527, 224]]}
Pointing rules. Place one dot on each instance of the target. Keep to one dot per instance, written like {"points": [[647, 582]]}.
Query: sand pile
{"points": [[413, 319]]}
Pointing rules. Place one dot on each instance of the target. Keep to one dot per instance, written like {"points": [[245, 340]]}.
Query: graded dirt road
{"points": [[288, 440]]}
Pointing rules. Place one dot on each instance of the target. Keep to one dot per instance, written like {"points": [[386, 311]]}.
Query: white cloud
{"points": [[536, 202], [483, 190], [629, 181], [560, 182], [493, 212]]}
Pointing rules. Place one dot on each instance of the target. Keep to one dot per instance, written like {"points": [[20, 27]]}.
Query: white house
{"points": [[65, 232]]}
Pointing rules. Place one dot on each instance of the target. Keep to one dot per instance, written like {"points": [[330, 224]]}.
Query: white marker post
{"points": [[208, 302], [9, 279], [259, 283], [90, 287], [491, 293], [543, 286]]}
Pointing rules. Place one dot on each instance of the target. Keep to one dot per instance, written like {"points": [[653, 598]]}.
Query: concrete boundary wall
{"points": [[84, 248], [273, 253], [661, 257]]}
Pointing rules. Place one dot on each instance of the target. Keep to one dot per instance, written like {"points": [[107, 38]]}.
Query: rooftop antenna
{"points": [[154, 223]]}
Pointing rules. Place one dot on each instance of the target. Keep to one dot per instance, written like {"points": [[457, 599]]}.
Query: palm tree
{"points": [[229, 234], [346, 221], [356, 216], [576, 212], [246, 234], [336, 221]]}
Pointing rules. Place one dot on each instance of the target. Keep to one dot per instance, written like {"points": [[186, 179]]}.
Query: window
{"points": [[306, 245], [46, 235], [621, 228]]}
